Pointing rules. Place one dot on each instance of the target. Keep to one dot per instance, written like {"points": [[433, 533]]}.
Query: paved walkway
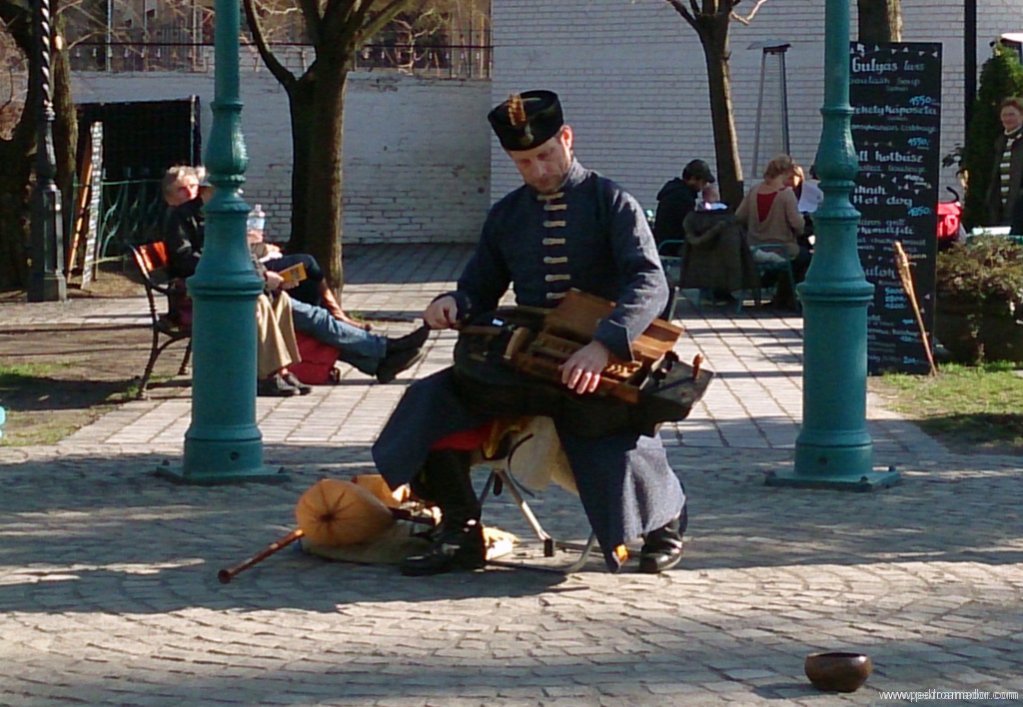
{"points": [[108, 590]]}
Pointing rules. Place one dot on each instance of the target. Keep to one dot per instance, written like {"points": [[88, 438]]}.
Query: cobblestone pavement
{"points": [[108, 589]]}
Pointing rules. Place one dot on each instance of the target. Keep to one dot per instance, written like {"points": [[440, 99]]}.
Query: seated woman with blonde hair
{"points": [[770, 214]]}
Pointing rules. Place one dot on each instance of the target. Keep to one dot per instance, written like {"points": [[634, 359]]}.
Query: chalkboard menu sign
{"points": [[895, 92]]}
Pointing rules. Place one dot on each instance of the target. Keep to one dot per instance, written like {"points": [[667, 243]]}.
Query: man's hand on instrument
{"points": [[581, 372], [442, 313]]}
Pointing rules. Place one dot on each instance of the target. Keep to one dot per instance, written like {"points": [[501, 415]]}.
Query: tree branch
{"points": [[313, 20], [17, 16], [388, 13], [24, 134], [689, 15], [334, 28], [283, 76], [748, 18]]}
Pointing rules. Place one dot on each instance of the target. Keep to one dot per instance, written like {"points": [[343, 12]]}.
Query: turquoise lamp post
{"points": [[223, 444], [834, 448]]}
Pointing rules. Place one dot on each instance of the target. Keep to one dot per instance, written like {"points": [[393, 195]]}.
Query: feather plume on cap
{"points": [[516, 111], [518, 118]]}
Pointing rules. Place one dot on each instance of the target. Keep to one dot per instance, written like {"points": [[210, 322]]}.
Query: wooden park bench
{"points": [[170, 325]]}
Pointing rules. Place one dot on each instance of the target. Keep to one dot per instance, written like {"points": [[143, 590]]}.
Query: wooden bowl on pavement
{"points": [[838, 671]]}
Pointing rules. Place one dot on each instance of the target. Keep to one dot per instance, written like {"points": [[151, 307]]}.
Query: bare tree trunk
{"points": [[17, 155], [301, 99], [323, 179], [710, 22], [16, 164], [880, 21], [714, 39], [336, 28]]}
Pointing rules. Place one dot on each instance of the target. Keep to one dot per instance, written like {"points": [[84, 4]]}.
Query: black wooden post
{"points": [[47, 283]]}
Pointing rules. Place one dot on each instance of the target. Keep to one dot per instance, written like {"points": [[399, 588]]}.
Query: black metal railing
{"points": [[130, 213], [458, 61]]}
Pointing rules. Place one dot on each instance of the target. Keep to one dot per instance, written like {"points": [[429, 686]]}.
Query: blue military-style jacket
{"points": [[590, 235]]}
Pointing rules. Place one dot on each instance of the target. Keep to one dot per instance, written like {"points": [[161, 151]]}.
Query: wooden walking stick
{"points": [[902, 265], [226, 575]]}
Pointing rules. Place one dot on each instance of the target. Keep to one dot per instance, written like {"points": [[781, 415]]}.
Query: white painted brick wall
{"points": [[632, 76], [416, 164], [416, 159]]}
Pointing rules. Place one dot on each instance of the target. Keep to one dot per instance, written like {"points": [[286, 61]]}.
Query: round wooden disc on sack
{"points": [[334, 512]]}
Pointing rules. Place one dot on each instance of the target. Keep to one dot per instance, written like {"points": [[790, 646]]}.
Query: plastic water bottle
{"points": [[257, 219]]}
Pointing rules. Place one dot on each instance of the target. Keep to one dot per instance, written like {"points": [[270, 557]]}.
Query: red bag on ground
{"points": [[317, 362]]}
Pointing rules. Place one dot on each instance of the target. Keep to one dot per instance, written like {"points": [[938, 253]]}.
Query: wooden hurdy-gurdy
{"points": [[508, 363]]}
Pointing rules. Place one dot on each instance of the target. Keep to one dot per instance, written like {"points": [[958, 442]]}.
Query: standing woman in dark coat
{"points": [[1007, 174]]}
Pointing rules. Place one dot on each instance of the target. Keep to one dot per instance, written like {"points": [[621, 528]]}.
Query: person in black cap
{"points": [[675, 200], [566, 227]]}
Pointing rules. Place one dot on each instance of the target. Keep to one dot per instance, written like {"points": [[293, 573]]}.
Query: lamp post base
{"points": [[47, 287], [216, 462], [260, 475], [872, 480]]}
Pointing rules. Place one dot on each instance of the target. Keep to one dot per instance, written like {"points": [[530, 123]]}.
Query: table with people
{"points": [[724, 250]]}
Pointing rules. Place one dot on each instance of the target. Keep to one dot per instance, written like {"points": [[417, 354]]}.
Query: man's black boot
{"points": [[456, 547], [458, 543], [662, 548]]}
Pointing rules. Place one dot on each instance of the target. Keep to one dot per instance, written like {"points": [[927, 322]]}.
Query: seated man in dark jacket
{"points": [[675, 200], [184, 223]]}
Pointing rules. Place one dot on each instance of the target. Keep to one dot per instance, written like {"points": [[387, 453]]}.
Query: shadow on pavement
{"points": [[89, 526]]}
